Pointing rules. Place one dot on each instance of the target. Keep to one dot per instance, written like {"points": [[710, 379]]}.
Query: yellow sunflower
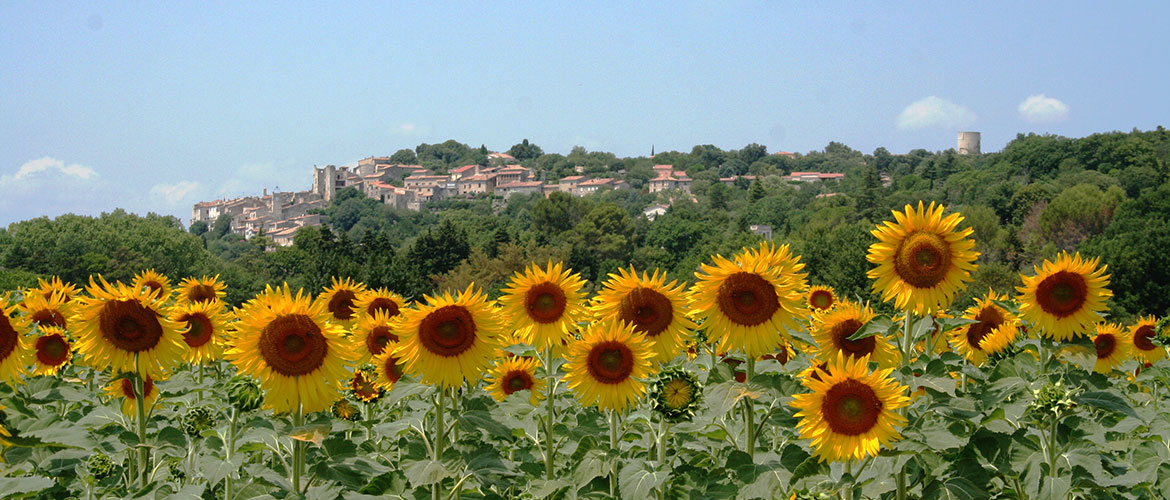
{"points": [[1113, 344], [1143, 333], [156, 283], [605, 368], [203, 289], [52, 351], [204, 324], [373, 334], [448, 339], [780, 258], [364, 385], [289, 344], [515, 374], [831, 331], [55, 285], [389, 369], [371, 301], [36, 310], [745, 303], [996, 329], [656, 309], [124, 388], [544, 304], [1065, 298], [340, 299], [14, 347], [922, 260], [851, 411], [118, 322], [821, 298]]}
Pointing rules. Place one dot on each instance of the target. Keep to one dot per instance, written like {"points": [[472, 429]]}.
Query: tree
{"points": [[718, 194], [752, 153], [555, 214], [198, 228], [435, 252], [525, 151], [404, 157], [222, 226], [756, 192], [1134, 247]]}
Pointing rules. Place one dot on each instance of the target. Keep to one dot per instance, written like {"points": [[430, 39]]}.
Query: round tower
{"points": [[968, 143]]}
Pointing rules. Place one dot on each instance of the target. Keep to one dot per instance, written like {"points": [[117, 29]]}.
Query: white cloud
{"points": [[935, 111], [1040, 108], [408, 128], [173, 193], [49, 163]]}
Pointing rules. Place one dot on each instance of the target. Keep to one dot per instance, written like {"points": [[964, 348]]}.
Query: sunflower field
{"points": [[750, 383]]}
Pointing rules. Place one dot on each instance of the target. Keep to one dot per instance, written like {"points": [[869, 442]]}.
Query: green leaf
{"points": [[425, 472], [479, 420], [1106, 400], [638, 478], [956, 488], [19, 487], [810, 467], [879, 325], [592, 465], [214, 468], [171, 439]]}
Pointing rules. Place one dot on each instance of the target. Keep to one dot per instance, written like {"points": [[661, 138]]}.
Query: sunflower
{"points": [[515, 374], [1143, 334], [55, 285], [203, 289], [388, 369], [118, 322], [656, 309], [204, 323], [605, 367], [124, 388], [289, 343], [821, 298], [364, 385], [831, 331], [780, 258], [52, 351], [371, 301], [1114, 346], [851, 411], [448, 339], [1065, 298], [676, 395], [340, 299], [14, 348], [157, 284], [746, 303], [995, 330], [544, 304], [374, 334], [922, 260], [345, 410], [41, 312]]}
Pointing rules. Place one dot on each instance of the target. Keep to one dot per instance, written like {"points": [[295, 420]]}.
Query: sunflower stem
{"points": [[849, 471], [440, 430], [749, 409], [550, 441], [1052, 451], [140, 407], [231, 447], [199, 392], [663, 426], [900, 494], [298, 449], [613, 446]]}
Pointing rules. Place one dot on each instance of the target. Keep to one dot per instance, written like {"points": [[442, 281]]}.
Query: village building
{"points": [[667, 179]]}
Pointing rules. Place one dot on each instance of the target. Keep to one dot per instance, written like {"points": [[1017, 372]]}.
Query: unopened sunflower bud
{"points": [[244, 393], [676, 394], [199, 419], [101, 466]]}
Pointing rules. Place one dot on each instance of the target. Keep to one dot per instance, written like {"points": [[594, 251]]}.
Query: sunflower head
{"points": [[544, 304], [676, 394], [831, 331], [745, 302], [199, 419], [124, 388], [821, 298], [203, 332], [511, 375], [1113, 345], [1145, 345], [153, 283], [606, 367], [780, 258], [389, 369], [364, 385], [340, 300], [851, 411], [54, 285], [656, 309], [120, 323], [1066, 296], [995, 329], [922, 259], [244, 393], [345, 410], [202, 289], [52, 350], [374, 334], [288, 342], [371, 301], [14, 346], [448, 339], [40, 311]]}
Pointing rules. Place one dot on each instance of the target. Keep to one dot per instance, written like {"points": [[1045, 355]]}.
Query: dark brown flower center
{"points": [[649, 311], [923, 259], [202, 293], [821, 299], [546, 302], [1142, 338], [48, 317], [1062, 294], [293, 345], [747, 299], [379, 338], [989, 318], [128, 387], [856, 348], [448, 331], [341, 304], [52, 349], [199, 329], [1106, 343], [382, 304], [363, 387], [851, 408], [610, 362], [8, 337], [393, 371], [517, 380], [129, 326]]}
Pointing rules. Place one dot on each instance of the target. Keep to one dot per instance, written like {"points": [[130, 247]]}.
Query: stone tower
{"points": [[968, 143]]}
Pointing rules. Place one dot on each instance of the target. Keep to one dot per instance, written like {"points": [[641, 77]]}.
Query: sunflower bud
{"points": [[676, 394], [175, 467], [199, 419], [101, 466], [345, 410], [244, 393], [1051, 399]]}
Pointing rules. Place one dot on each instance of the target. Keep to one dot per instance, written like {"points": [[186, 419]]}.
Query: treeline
{"points": [[1106, 195]]}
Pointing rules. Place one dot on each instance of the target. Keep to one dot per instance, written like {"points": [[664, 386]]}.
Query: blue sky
{"points": [[152, 107]]}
